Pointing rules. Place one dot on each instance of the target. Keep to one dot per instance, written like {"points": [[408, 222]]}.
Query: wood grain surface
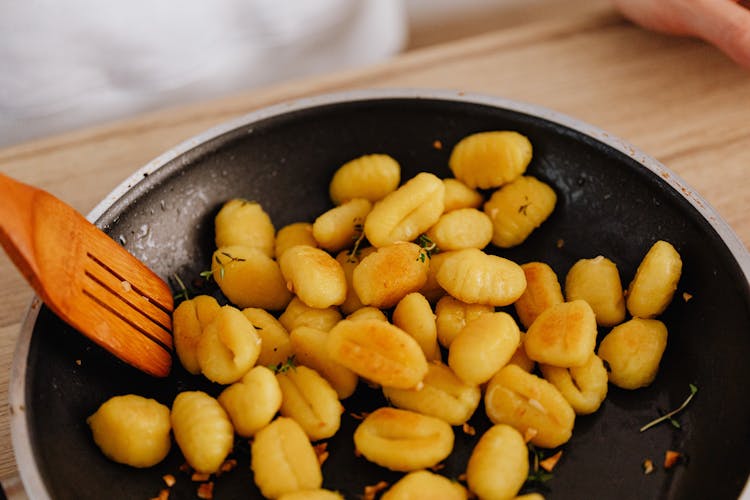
{"points": [[676, 99]]}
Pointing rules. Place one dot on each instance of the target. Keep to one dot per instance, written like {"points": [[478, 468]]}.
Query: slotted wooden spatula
{"points": [[86, 278]]}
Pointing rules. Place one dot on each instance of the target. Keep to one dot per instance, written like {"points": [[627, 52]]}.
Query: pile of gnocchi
{"points": [[395, 287]]}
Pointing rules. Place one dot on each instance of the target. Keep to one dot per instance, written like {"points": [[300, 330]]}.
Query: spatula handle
{"points": [[16, 226]]}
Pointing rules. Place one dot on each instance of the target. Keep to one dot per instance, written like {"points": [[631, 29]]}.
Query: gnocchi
{"points": [[253, 401], [424, 484], [407, 212], [655, 281], [402, 440], [475, 277], [563, 335], [371, 177], [315, 277], [283, 460], [633, 351], [202, 430], [228, 347], [244, 223], [518, 208], [387, 275], [132, 430], [498, 465], [461, 228], [378, 351], [597, 281], [310, 400], [490, 159], [542, 291]]}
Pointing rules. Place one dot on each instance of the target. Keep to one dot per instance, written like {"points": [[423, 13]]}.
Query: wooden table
{"points": [[678, 100]]}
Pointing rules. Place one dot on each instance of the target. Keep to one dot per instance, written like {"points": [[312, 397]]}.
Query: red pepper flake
{"points": [[549, 463], [462, 477], [228, 465], [185, 467], [648, 466], [437, 144], [200, 476], [321, 450], [437, 467], [169, 480], [163, 495], [78, 362], [206, 491], [469, 430], [560, 243], [359, 416], [373, 490], [686, 296], [671, 458]]}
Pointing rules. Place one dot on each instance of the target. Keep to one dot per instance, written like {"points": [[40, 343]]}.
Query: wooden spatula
{"points": [[86, 278]]}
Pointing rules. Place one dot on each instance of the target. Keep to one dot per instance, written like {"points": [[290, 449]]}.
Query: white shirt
{"points": [[74, 63]]}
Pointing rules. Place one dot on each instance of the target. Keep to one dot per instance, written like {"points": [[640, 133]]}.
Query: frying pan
{"points": [[612, 201]]}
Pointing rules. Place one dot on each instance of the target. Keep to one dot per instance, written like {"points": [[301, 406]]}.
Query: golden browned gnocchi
{"points": [[402, 440], [310, 400], [310, 349], [228, 347], [387, 275], [499, 464], [413, 314], [283, 459], [291, 235], [542, 291], [188, 321], [253, 401], [275, 346], [461, 228], [633, 351], [425, 484], [371, 177], [655, 281], [340, 226], [249, 278], [597, 281], [518, 208], [244, 223], [563, 335], [202, 430], [313, 276], [407, 212], [531, 405], [584, 387], [451, 315], [132, 430], [490, 159], [378, 351], [483, 346], [442, 395], [475, 277]]}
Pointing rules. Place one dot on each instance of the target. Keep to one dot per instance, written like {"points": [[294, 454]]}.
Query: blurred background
{"points": [[68, 65]]}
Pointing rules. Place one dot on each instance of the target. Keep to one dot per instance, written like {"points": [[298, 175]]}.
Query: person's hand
{"points": [[723, 23]]}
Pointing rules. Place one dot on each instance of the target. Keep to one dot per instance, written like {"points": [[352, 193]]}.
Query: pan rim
{"points": [[20, 437]]}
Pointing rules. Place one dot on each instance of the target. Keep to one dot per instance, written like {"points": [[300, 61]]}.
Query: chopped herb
{"points": [[537, 474], [359, 231], [669, 416], [183, 293], [284, 366], [429, 247], [207, 275]]}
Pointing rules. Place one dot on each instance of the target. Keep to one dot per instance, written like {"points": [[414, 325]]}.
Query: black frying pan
{"points": [[612, 202]]}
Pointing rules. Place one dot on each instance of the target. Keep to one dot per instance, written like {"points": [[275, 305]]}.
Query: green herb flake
{"points": [[670, 416]]}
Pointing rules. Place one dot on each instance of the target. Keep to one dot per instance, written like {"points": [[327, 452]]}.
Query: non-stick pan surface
{"points": [[612, 201]]}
